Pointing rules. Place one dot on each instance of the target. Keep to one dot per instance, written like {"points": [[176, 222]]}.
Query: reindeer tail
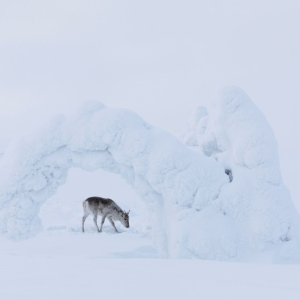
{"points": [[83, 204]]}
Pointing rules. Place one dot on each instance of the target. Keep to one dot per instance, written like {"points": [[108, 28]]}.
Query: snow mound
{"points": [[172, 180], [258, 216], [188, 133]]}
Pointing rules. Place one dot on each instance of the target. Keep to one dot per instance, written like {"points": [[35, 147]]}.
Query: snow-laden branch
{"points": [[227, 203]]}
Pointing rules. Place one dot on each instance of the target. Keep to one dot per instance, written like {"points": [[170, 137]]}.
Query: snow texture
{"points": [[254, 213], [228, 203]]}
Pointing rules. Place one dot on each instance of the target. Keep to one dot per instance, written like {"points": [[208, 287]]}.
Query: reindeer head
{"points": [[125, 218]]}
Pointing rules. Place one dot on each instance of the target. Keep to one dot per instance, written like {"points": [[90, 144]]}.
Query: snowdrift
{"points": [[226, 203]]}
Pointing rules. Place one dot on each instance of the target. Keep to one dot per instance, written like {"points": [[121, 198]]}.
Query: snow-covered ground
{"points": [[69, 265]]}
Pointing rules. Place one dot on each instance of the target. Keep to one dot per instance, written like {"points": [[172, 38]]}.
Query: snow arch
{"points": [[196, 210], [172, 180]]}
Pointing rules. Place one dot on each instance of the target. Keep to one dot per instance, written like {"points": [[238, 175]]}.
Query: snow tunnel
{"points": [[195, 210]]}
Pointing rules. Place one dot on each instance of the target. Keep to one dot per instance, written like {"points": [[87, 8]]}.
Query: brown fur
{"points": [[106, 208]]}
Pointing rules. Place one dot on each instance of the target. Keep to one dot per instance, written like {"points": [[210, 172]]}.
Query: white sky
{"points": [[158, 58]]}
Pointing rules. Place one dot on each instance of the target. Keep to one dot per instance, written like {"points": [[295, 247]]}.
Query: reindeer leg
{"points": [[83, 220], [102, 222], [112, 223], [95, 222]]}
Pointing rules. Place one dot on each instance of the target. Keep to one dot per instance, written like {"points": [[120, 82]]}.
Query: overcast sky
{"points": [[158, 58]]}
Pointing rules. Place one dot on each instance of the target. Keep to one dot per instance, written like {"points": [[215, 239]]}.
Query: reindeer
{"points": [[106, 208]]}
